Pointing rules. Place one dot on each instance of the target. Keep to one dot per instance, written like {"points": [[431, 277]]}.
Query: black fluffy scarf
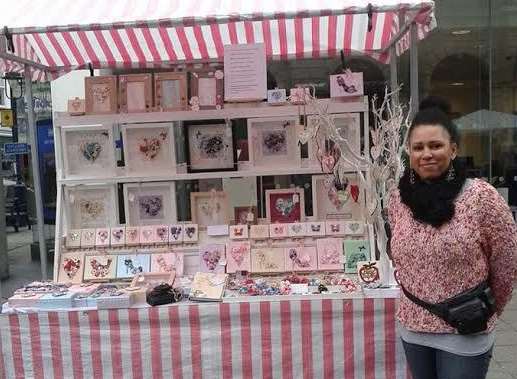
{"points": [[431, 202]]}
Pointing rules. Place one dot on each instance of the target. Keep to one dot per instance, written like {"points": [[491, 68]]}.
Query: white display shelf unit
{"points": [[230, 111]]}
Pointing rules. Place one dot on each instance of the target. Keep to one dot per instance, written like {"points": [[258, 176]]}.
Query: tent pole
{"points": [[33, 135], [393, 75], [413, 68]]}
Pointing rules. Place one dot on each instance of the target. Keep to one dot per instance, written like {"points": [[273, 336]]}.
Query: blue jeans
{"points": [[430, 363]]}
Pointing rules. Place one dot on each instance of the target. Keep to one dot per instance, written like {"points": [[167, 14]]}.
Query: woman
{"points": [[449, 234]]}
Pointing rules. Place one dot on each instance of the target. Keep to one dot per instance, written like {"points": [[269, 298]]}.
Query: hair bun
{"points": [[436, 102]]}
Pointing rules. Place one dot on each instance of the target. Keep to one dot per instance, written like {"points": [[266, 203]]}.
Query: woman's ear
{"points": [[454, 150]]}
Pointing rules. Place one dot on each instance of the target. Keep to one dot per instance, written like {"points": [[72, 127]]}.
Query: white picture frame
{"points": [[88, 151], [273, 142], [152, 203], [91, 206], [209, 208], [329, 203], [149, 149]]}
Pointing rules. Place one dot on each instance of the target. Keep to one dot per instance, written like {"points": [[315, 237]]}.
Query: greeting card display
{"points": [[149, 149], [135, 93], [170, 91], [118, 236], [101, 94], [206, 90], [279, 230], [132, 236], [190, 233], [315, 228], [88, 238], [273, 142], [91, 206], [335, 228], [285, 205], [330, 253], [267, 259], [176, 233], [150, 203], [238, 232], [71, 268], [238, 256], [102, 237], [355, 251], [297, 229], [209, 208], [132, 264], [346, 84], [259, 232], [301, 258], [210, 148], [88, 151], [73, 239], [335, 198], [212, 258], [167, 262], [99, 267]]}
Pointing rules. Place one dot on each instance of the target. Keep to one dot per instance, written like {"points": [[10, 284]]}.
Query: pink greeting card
{"points": [[330, 253], [238, 256], [303, 258]]}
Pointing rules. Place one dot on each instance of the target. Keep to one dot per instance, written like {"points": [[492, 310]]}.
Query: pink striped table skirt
{"points": [[317, 338]]}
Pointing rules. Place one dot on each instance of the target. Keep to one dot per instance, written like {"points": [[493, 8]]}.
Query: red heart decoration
{"points": [[354, 191]]}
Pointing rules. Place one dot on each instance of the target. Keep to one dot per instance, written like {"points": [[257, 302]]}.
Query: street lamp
{"points": [[15, 81]]}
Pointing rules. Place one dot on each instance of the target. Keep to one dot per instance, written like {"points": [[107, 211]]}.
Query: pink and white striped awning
{"points": [[158, 33]]}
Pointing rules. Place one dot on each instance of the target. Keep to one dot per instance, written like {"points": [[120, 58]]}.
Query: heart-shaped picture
{"points": [[354, 226], [237, 253], [284, 206], [90, 150], [71, 266], [211, 258], [150, 147]]}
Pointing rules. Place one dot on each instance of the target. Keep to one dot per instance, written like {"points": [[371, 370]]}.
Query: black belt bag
{"points": [[468, 312]]}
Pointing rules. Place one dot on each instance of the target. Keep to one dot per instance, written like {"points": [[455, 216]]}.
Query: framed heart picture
{"points": [[209, 208], [102, 237], [91, 206], [342, 198], [210, 147], [150, 203], [273, 142], [88, 151], [100, 267], [212, 258], [238, 256], [170, 91], [135, 93], [285, 205], [149, 149], [71, 268], [245, 215], [207, 90], [101, 94]]}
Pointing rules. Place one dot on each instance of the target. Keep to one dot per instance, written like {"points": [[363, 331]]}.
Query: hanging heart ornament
{"points": [[354, 191], [328, 162], [90, 150]]}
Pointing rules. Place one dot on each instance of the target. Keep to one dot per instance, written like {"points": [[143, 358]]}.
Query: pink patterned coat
{"points": [[438, 263]]}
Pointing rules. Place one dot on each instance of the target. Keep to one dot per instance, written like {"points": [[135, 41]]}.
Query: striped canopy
{"points": [[59, 36]]}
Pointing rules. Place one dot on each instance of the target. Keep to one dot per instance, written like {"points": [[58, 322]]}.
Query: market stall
{"points": [[168, 189]]}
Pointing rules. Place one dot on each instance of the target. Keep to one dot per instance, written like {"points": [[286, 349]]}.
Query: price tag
{"points": [[296, 198]]}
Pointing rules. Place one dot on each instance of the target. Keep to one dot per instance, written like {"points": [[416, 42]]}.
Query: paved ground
{"points": [[23, 270]]}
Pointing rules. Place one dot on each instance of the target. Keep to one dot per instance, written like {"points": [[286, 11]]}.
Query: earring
{"points": [[411, 176], [451, 175]]}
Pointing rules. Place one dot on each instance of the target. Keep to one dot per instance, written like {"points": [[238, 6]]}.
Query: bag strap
{"points": [[435, 309]]}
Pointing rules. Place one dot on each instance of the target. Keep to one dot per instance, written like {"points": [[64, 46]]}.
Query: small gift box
{"points": [[238, 256], [296, 229], [238, 232], [118, 236], [190, 233], [57, 300], [102, 237], [315, 228], [335, 228], [132, 236], [212, 258], [73, 239], [88, 238], [303, 258], [176, 233], [259, 232], [330, 253], [278, 230], [25, 300]]}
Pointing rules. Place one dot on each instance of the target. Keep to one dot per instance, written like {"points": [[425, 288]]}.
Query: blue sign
{"points": [[16, 148], [47, 169]]}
